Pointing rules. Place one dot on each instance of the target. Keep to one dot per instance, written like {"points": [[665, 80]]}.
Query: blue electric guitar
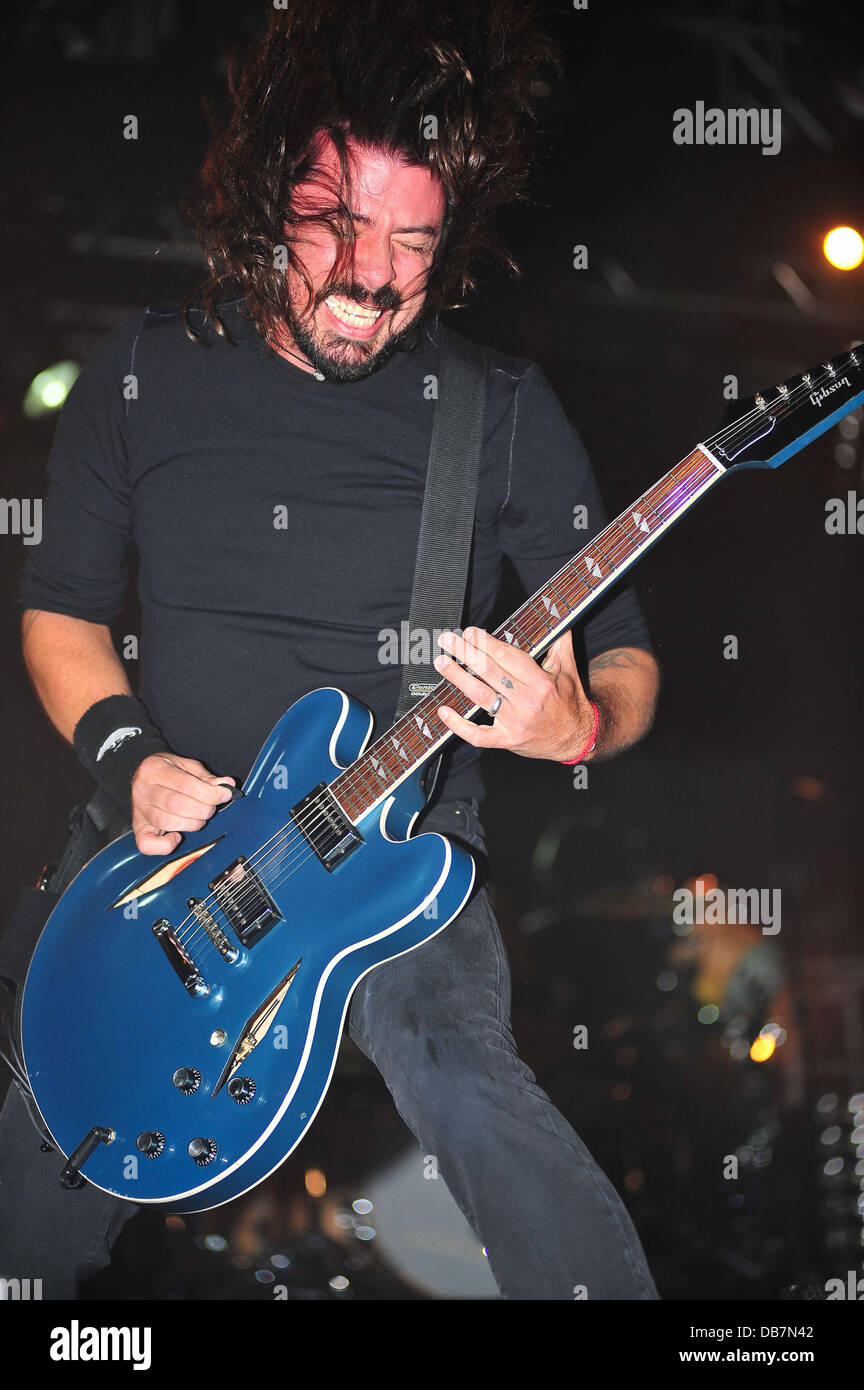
{"points": [[181, 1016]]}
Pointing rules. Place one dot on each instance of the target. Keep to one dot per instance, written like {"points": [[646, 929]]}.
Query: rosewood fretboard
{"points": [[414, 738]]}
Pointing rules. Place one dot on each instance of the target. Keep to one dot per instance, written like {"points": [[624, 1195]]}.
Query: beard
{"points": [[341, 359]]}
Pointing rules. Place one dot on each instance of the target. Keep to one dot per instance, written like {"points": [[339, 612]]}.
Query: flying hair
{"points": [[445, 86]]}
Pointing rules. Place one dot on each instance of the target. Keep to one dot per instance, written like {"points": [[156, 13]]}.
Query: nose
{"points": [[372, 261]]}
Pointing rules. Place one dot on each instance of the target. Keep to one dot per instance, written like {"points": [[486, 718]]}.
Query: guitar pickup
{"points": [[325, 827], [248, 907]]}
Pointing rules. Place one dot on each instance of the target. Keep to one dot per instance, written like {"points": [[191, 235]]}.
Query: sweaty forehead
{"points": [[383, 188]]}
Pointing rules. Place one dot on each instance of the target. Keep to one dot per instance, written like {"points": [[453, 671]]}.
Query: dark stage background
{"points": [[703, 262]]}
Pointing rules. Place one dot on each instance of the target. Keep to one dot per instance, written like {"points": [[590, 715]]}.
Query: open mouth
{"points": [[350, 314]]}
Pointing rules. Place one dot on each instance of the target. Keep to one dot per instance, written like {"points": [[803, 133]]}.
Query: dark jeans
{"points": [[436, 1024]]}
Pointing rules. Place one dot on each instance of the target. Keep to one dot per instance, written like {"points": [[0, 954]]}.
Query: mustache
{"points": [[385, 298]]}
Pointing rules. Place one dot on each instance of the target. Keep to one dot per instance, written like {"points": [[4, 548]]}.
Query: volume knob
{"points": [[187, 1080], [150, 1142], [203, 1151], [241, 1089]]}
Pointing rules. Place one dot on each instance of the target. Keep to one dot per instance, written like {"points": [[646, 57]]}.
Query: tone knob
{"points": [[150, 1142], [241, 1089], [187, 1080], [203, 1151]]}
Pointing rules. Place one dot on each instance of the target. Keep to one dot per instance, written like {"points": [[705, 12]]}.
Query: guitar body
{"points": [[113, 1035]]}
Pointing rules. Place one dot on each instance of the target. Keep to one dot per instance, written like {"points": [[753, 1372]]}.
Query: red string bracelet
{"points": [[568, 762]]}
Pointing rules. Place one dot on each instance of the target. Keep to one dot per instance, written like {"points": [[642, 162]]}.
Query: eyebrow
{"points": [[398, 231]]}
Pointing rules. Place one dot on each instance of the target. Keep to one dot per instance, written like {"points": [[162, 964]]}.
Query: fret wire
{"points": [[362, 784], [541, 616], [512, 627], [617, 523], [601, 551], [625, 541], [517, 630], [644, 502], [673, 485], [566, 602]]}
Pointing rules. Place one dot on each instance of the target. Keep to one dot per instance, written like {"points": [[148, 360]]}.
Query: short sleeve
{"points": [[80, 566], [553, 508]]}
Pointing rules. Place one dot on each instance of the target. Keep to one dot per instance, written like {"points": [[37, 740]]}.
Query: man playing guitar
{"points": [[265, 455]]}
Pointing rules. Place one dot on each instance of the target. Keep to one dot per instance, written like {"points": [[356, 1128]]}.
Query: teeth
{"points": [[351, 313]]}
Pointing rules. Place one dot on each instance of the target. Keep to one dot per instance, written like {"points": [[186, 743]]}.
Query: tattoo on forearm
{"points": [[618, 656]]}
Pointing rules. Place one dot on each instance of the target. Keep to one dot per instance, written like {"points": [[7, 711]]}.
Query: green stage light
{"points": [[49, 389]]}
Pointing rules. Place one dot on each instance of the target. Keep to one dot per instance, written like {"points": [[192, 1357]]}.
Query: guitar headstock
{"points": [[774, 424]]}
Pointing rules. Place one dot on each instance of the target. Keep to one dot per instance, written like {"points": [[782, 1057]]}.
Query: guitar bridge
{"points": [[204, 917], [325, 827]]}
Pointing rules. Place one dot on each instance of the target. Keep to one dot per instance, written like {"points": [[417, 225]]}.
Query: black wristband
{"points": [[112, 739]]}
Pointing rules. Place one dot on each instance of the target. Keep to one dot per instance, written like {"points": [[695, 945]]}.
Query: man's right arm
{"points": [[73, 665]]}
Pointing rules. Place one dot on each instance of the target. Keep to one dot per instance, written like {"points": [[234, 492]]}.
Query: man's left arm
{"points": [[543, 711], [624, 685]]}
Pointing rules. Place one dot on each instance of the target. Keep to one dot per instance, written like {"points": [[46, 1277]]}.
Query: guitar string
{"points": [[350, 781], [783, 405], [724, 435], [279, 851]]}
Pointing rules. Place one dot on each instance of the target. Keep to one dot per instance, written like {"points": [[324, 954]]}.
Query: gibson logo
{"points": [[817, 397]]}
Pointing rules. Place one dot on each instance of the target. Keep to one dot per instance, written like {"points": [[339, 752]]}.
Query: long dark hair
{"points": [[446, 84]]}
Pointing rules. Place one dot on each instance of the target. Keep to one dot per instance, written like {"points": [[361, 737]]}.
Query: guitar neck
{"points": [[562, 600]]}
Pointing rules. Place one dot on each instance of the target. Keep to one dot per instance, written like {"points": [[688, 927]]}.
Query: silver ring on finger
{"points": [[495, 706]]}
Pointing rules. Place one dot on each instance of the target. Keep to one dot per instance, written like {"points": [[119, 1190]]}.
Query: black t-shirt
{"points": [[276, 520]]}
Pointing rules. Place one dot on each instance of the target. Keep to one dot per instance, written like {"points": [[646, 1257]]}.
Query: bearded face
{"points": [[352, 325]]}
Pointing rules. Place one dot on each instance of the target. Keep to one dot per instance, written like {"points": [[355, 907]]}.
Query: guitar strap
{"points": [[447, 518]]}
